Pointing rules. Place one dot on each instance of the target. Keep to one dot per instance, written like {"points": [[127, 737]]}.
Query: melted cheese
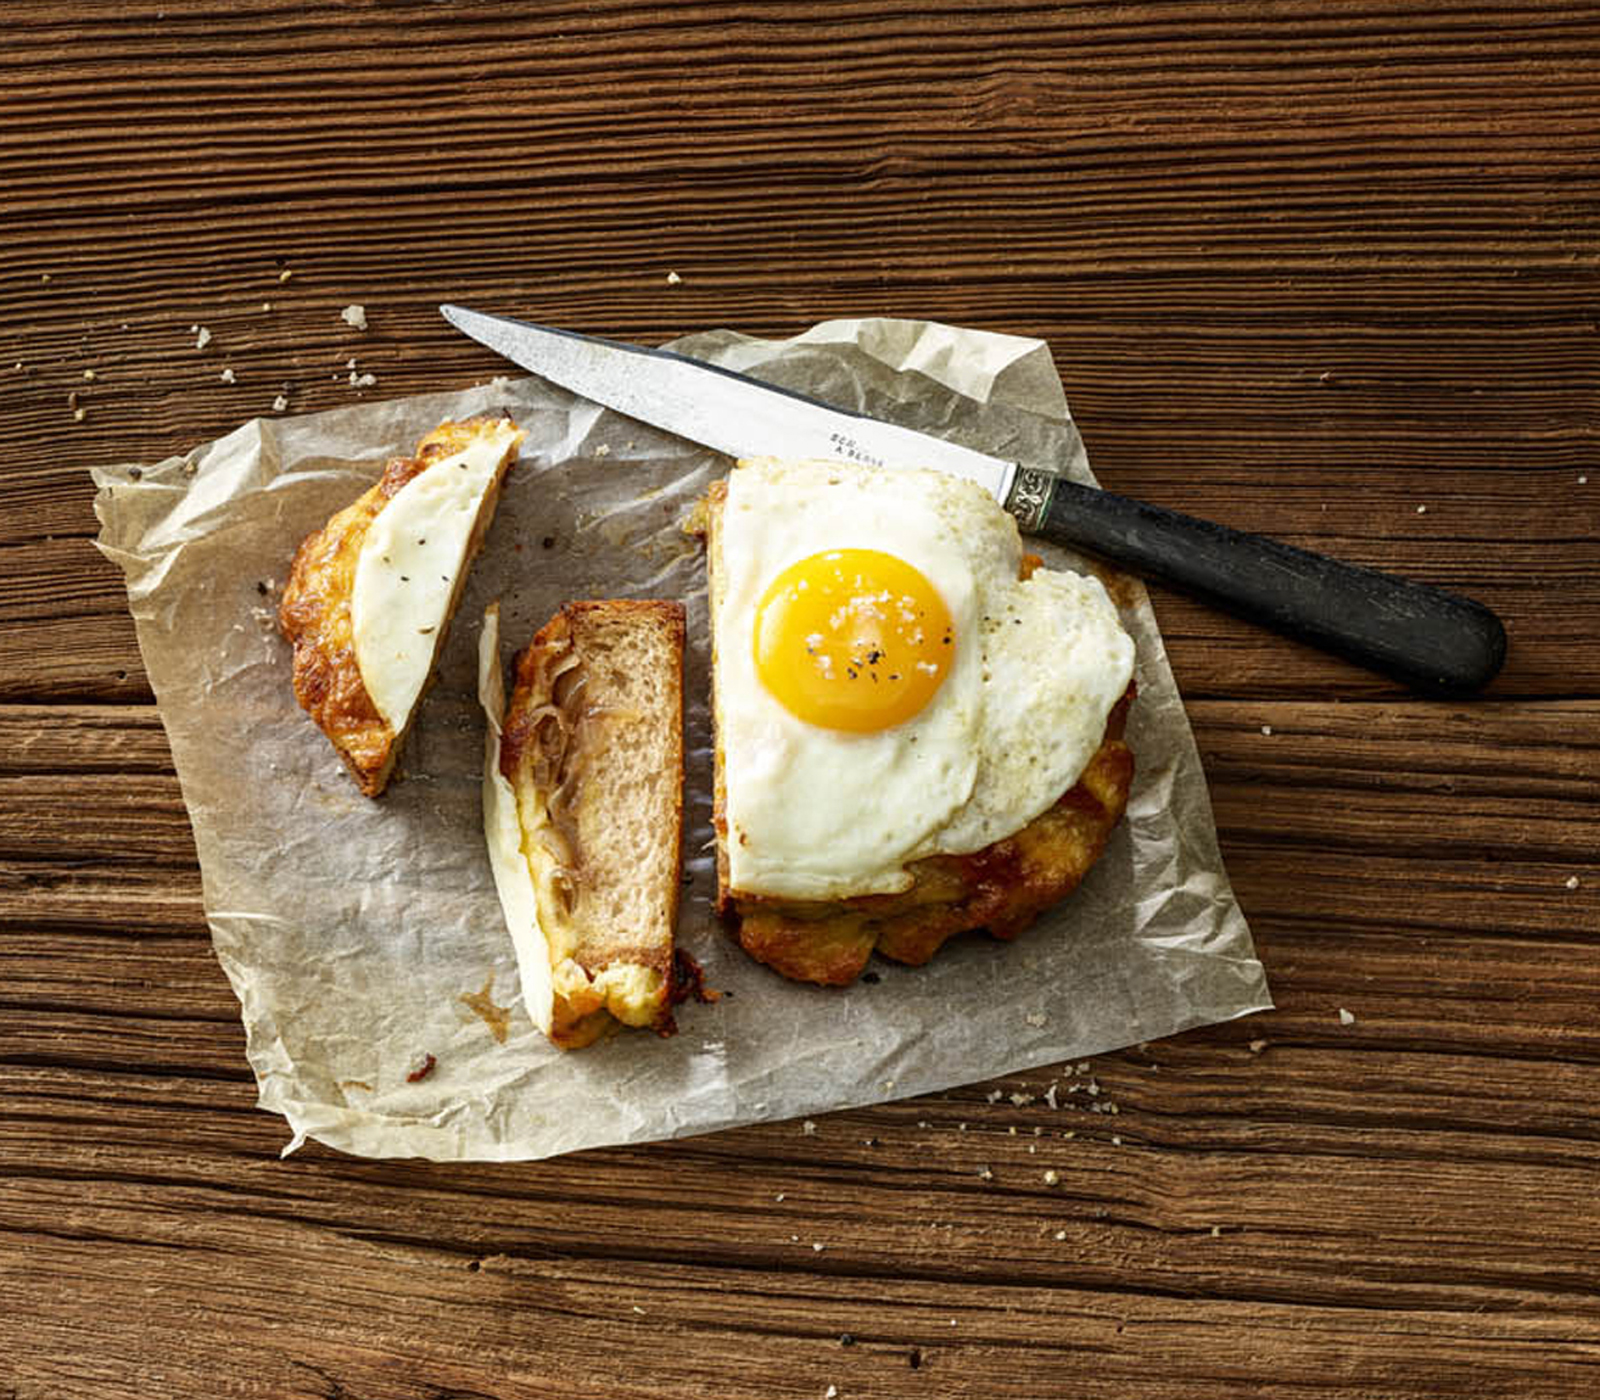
{"points": [[409, 567], [513, 880]]}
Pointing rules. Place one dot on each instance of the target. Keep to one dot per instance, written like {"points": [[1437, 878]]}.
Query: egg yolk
{"points": [[853, 639]]}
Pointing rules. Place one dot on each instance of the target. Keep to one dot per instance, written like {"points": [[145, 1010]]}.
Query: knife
{"points": [[1434, 641]]}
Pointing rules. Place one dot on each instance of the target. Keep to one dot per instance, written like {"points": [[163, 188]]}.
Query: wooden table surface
{"points": [[1327, 271]]}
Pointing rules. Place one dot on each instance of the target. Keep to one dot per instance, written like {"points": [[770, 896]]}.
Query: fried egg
{"points": [[887, 687]]}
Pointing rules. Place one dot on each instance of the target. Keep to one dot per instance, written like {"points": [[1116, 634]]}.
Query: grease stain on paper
{"points": [[497, 1018]]}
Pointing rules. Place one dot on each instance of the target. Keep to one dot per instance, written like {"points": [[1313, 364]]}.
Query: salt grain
{"points": [[1346, 1018]]}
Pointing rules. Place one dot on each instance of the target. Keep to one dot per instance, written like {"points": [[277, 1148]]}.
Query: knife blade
{"points": [[1428, 638]]}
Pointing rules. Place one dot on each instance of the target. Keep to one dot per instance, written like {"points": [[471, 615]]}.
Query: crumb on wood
{"points": [[1267, 730], [672, 279], [1346, 1018], [1052, 1178], [285, 275], [79, 414], [227, 376], [1573, 882], [1257, 1046], [985, 1174], [354, 316], [90, 375], [280, 403], [202, 337], [808, 1128]]}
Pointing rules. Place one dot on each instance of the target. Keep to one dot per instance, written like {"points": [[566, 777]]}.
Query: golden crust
{"points": [[314, 613], [545, 708], [1002, 888]]}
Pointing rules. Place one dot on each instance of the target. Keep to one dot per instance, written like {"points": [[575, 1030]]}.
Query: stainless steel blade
{"points": [[718, 408]]}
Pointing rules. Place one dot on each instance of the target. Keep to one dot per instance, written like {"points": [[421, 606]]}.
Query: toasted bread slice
{"points": [[584, 809], [1001, 888], [370, 595]]}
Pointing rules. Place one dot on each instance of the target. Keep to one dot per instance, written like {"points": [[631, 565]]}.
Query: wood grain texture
{"points": [[1304, 270]]}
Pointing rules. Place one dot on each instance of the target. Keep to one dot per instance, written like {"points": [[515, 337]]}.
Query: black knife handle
{"points": [[1432, 640]]}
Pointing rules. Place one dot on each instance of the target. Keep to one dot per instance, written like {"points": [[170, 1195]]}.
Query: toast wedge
{"points": [[583, 807], [370, 596]]}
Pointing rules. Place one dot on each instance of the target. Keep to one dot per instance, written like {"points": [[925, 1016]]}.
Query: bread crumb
{"points": [[816, 1246], [202, 337], [79, 414], [1061, 1234], [280, 403], [285, 275], [1573, 882], [831, 1393], [1051, 1178], [961, 1127], [1037, 1019], [602, 451], [1267, 730], [780, 1195], [985, 1174], [1083, 1066], [1346, 1018], [672, 279], [1116, 1142], [1257, 1046], [89, 374], [72, 399], [1050, 1097], [1216, 1232], [266, 306], [808, 1128], [227, 376], [638, 1310], [44, 276], [361, 381], [995, 1095], [1021, 1100], [355, 315], [1583, 481]]}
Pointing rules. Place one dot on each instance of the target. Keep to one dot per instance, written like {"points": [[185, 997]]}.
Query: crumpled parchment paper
{"points": [[362, 937]]}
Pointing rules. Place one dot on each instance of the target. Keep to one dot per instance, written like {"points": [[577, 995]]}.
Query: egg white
{"points": [[819, 814]]}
